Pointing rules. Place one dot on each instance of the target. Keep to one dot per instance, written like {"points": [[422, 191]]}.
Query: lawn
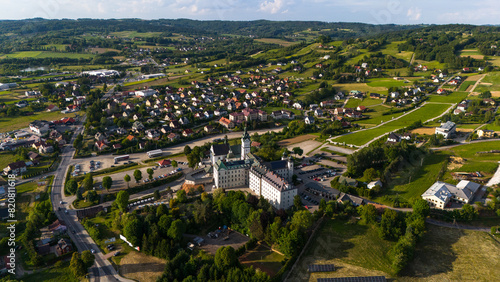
{"points": [[353, 103], [53, 274], [263, 258], [46, 54], [414, 179], [447, 254], [6, 157], [469, 151], [354, 249], [13, 123], [386, 82], [454, 97], [26, 187], [428, 111]]}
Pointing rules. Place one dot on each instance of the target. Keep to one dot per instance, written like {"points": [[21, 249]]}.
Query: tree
{"points": [[91, 196], [298, 151], [156, 195], [88, 182], [177, 228], [137, 175], [133, 231], [225, 258], [87, 258], [302, 220], [150, 172], [368, 213], [71, 187], [122, 200], [107, 181], [468, 212], [421, 208], [392, 225], [297, 202], [127, 179], [77, 265], [193, 160], [322, 204], [370, 174], [187, 150], [174, 164], [254, 223], [181, 196]]}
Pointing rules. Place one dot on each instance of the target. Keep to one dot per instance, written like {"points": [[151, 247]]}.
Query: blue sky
{"points": [[367, 11]]}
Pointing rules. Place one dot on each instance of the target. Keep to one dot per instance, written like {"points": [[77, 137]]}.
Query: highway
{"points": [[102, 269]]}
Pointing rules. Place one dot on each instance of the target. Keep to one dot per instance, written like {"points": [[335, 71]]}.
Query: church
{"points": [[235, 166]]}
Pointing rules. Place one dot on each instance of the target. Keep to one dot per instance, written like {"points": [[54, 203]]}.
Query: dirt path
{"points": [[477, 83]]}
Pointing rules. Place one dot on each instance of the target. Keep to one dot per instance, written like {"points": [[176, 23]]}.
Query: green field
{"points": [[46, 54], [278, 41], [363, 87], [354, 249], [428, 111], [465, 85], [132, 34], [26, 187], [447, 254], [454, 97], [264, 259], [412, 182], [490, 82], [353, 103], [12, 123], [386, 82], [52, 274], [469, 151], [7, 157]]}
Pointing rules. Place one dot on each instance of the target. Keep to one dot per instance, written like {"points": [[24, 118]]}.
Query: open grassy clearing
{"points": [[53, 274], [353, 103], [447, 254], [354, 249], [386, 82], [12, 123], [414, 180], [263, 258], [426, 112], [469, 151], [363, 87], [141, 267], [7, 157], [491, 82], [46, 54], [295, 140], [454, 97]]}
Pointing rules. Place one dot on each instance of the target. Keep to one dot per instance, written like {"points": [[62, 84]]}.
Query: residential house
{"points": [[137, 126], [441, 193], [187, 132], [374, 183], [226, 123], [173, 136], [101, 145], [15, 168], [152, 133], [354, 200], [309, 120], [63, 247], [484, 133], [52, 108], [39, 127]]}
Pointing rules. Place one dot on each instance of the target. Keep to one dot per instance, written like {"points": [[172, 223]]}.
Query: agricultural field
{"points": [[491, 82], [367, 102], [446, 254], [46, 54], [278, 41], [465, 85], [386, 82], [354, 249], [452, 98], [473, 53], [13, 123], [133, 34], [295, 140]]}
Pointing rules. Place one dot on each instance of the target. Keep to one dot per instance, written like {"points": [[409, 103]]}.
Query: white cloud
{"points": [[414, 13], [271, 7]]}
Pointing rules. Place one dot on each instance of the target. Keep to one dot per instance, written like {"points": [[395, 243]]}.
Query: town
{"points": [[194, 151]]}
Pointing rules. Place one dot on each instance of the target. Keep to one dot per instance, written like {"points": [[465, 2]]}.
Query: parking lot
{"points": [[315, 184]]}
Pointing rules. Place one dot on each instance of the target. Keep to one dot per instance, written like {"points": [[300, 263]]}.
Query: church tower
{"points": [[289, 164], [245, 144]]}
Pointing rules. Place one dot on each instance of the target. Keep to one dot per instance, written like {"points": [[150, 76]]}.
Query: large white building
{"points": [[237, 167], [447, 129], [441, 193]]}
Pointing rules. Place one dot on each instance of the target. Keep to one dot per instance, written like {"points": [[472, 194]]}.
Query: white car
{"points": [[92, 251]]}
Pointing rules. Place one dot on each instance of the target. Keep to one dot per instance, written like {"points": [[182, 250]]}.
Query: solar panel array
{"points": [[321, 267], [354, 279]]}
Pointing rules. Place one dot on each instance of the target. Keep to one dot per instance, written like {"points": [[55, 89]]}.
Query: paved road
{"points": [[102, 269]]}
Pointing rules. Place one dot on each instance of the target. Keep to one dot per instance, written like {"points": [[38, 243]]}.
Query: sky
{"points": [[366, 11]]}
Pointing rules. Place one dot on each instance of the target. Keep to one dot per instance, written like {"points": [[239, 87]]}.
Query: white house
{"points": [[447, 129]]}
